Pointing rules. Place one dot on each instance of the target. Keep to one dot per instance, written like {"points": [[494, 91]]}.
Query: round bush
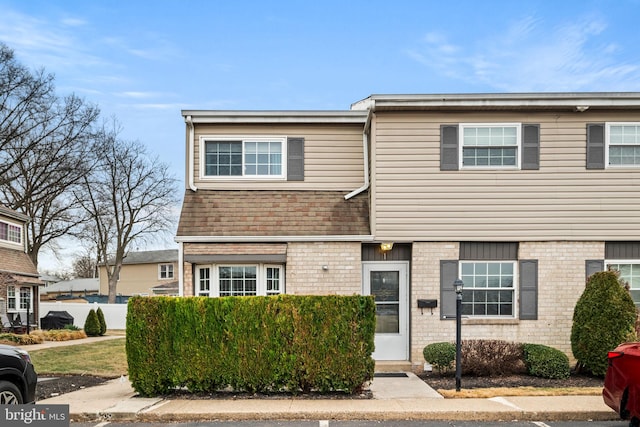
{"points": [[603, 318], [546, 362], [440, 355], [92, 324]]}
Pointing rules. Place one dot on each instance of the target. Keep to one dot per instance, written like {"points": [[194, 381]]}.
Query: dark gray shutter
{"points": [[529, 289], [595, 146], [593, 266], [530, 147], [448, 147], [448, 274], [295, 159]]}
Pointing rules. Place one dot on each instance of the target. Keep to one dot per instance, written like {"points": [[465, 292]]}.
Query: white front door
{"points": [[388, 282]]}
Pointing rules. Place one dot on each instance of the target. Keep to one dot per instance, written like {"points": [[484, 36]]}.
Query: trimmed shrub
{"points": [[255, 344], [546, 362], [103, 323], [20, 339], [603, 318], [440, 355], [491, 358], [91, 324]]}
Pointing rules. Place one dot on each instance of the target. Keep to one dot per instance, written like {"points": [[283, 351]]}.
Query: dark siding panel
{"points": [[448, 274], [622, 250], [448, 147], [488, 251], [593, 266], [595, 146], [400, 252], [530, 147], [295, 159], [528, 289]]}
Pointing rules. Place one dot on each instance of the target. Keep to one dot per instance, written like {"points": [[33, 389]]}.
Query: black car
{"points": [[18, 378]]}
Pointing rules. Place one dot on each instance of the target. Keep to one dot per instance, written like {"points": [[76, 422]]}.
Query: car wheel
{"points": [[9, 394]]}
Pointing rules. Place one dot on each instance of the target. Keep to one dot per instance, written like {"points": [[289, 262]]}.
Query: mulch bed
{"points": [[54, 386], [448, 381]]}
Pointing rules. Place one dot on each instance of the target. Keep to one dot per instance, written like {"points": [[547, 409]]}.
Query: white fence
{"points": [[115, 315]]}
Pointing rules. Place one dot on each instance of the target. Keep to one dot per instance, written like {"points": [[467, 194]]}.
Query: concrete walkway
{"points": [[394, 398]]}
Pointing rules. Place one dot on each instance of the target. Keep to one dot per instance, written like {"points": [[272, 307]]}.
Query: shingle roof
{"points": [[151, 257], [16, 261], [74, 285], [273, 213]]}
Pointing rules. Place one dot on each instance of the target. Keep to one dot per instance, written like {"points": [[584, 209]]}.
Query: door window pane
{"points": [[385, 287]]}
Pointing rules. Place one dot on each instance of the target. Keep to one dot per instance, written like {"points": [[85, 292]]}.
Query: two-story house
{"points": [[145, 273], [521, 196], [19, 279]]}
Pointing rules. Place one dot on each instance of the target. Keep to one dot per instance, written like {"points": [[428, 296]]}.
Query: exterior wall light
{"points": [[386, 246]]}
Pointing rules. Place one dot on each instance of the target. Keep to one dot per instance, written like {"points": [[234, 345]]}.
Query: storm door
{"points": [[388, 283]]}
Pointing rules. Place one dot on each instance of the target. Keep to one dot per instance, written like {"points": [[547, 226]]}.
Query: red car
{"points": [[622, 382]]}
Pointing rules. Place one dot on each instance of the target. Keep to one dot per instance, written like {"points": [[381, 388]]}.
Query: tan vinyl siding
{"points": [[414, 200], [333, 157]]}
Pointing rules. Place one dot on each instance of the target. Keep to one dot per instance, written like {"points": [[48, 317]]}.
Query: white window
{"points": [[630, 273], [490, 145], [10, 232], [11, 298], [19, 299], [165, 271], [243, 157], [488, 288], [623, 144], [240, 280]]}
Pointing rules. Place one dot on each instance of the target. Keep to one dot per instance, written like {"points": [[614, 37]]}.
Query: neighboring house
{"points": [[521, 196], [145, 273], [70, 289], [19, 279]]}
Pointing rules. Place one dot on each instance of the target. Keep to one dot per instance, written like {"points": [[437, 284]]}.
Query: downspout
{"points": [[191, 142], [365, 155]]}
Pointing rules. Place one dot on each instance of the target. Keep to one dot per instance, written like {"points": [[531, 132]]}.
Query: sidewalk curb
{"points": [[366, 415]]}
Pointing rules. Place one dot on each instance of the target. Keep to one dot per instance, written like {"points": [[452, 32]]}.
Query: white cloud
{"points": [[527, 56]]}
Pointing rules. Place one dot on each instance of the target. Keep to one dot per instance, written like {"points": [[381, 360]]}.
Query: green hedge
{"points": [[255, 344], [546, 362]]}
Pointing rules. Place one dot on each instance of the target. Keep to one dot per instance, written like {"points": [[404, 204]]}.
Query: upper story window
{"points": [[244, 157], [490, 145], [623, 144], [165, 271], [10, 232]]}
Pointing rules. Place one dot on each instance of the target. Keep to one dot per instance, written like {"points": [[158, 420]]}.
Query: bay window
{"points": [[239, 280]]}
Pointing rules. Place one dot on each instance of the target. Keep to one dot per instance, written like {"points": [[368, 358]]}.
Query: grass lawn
{"points": [[103, 359]]}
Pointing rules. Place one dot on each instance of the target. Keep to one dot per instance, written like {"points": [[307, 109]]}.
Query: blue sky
{"points": [[143, 61]]}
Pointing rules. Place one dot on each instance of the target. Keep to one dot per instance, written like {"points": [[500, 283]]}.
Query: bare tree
{"points": [[85, 267], [26, 101], [129, 198], [44, 177]]}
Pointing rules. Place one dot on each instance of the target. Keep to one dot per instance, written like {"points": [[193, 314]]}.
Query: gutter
{"points": [[272, 239], [190, 143], [365, 156]]}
